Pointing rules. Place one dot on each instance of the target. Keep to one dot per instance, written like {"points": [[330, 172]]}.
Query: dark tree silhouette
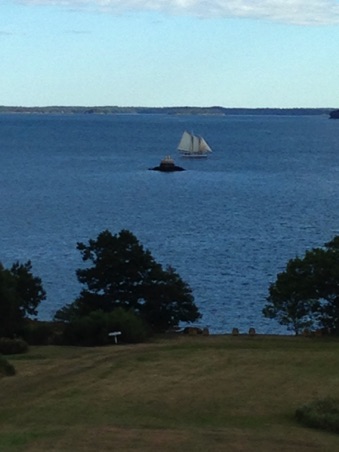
{"points": [[306, 294], [125, 275], [20, 296]]}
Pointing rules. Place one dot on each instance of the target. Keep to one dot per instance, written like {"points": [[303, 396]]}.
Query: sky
{"points": [[163, 53]]}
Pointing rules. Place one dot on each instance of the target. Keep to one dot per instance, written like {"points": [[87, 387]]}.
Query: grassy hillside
{"points": [[216, 393]]}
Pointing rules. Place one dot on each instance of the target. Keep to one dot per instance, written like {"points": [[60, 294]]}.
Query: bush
{"points": [[12, 346], [133, 329], [93, 329], [323, 414], [6, 368], [37, 332]]}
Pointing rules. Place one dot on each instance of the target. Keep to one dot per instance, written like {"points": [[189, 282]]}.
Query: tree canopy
{"points": [[306, 294], [125, 275], [20, 295]]}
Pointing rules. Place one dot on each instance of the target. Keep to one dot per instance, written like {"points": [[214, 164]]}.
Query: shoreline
{"points": [[175, 111]]}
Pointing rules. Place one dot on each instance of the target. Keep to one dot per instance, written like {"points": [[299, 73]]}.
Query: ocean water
{"points": [[229, 224]]}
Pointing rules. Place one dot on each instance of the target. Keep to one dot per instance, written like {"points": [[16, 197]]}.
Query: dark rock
{"points": [[167, 166]]}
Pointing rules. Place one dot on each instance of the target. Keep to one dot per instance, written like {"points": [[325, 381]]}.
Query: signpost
{"points": [[115, 334]]}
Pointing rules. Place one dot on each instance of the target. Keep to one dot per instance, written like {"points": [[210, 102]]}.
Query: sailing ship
{"points": [[193, 146]]}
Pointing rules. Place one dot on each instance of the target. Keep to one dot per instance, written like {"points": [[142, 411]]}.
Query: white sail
{"points": [[185, 142], [204, 147], [193, 146]]}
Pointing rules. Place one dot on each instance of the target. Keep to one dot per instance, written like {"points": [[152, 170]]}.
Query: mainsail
{"points": [[193, 146]]}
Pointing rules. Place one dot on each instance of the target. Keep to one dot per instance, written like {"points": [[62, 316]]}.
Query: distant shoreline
{"points": [[208, 111]]}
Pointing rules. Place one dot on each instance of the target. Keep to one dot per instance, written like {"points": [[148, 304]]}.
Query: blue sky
{"points": [[232, 53]]}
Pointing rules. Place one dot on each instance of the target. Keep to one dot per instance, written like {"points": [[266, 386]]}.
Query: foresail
{"points": [[203, 146]]}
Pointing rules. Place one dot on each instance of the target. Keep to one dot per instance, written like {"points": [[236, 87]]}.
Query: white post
{"points": [[115, 334]]}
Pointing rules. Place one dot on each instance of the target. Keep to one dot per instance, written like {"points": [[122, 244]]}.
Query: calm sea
{"points": [[228, 224]]}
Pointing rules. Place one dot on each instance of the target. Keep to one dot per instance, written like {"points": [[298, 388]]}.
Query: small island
{"points": [[167, 165], [334, 114]]}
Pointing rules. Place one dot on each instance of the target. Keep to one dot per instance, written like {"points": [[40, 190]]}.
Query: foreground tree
{"points": [[20, 295], [125, 275], [306, 294]]}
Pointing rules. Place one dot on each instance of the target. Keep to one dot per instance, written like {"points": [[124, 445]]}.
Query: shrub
{"points": [[6, 368], [12, 346], [89, 331], [133, 329], [37, 332], [93, 329], [323, 414]]}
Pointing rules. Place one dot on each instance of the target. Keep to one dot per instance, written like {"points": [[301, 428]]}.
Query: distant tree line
{"points": [[186, 110]]}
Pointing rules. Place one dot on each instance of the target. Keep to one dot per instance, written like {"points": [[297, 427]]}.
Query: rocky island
{"points": [[334, 114], [167, 165]]}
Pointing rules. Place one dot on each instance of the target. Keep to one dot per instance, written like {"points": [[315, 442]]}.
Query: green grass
{"points": [[215, 393]]}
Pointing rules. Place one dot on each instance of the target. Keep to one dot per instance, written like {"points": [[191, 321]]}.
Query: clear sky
{"points": [[232, 53]]}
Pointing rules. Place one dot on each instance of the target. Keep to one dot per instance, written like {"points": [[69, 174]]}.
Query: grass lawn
{"points": [[180, 393]]}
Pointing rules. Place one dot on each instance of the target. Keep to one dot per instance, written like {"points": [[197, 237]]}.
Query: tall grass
{"points": [[6, 368], [323, 414]]}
